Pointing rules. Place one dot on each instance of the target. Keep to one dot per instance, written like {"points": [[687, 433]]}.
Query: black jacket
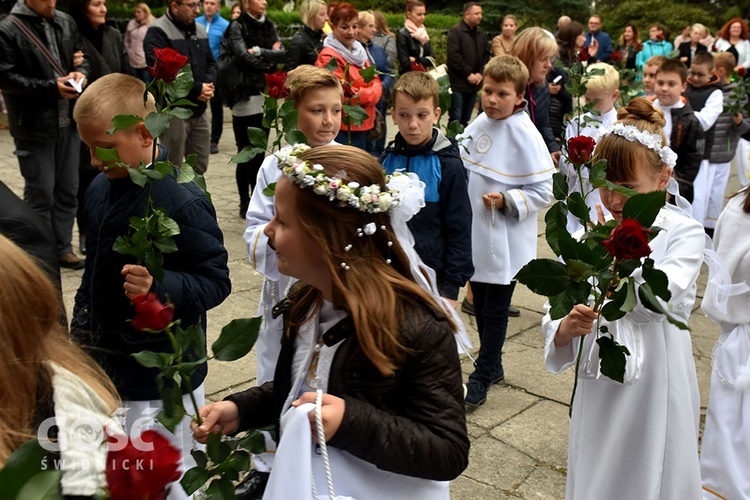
{"points": [[538, 98], [196, 277], [688, 141], [28, 81], [697, 97], [304, 48], [189, 40], [442, 229], [244, 33], [685, 51], [410, 423], [468, 52], [408, 46], [107, 51]]}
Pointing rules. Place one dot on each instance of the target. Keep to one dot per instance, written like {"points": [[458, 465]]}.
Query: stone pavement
{"points": [[518, 438]]}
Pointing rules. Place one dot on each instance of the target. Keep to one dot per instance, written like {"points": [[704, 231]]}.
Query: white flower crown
{"points": [[651, 141], [369, 199]]}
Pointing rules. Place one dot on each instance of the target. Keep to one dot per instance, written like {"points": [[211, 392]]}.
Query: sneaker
{"points": [[513, 312], [71, 261], [467, 307], [214, 148], [476, 394]]}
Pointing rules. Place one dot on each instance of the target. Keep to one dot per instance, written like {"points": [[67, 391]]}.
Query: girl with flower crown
{"points": [[361, 328], [637, 439]]}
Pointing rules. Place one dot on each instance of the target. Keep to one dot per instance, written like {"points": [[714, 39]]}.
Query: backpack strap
{"points": [[35, 41]]}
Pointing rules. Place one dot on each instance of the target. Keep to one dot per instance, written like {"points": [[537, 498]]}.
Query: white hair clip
{"points": [[652, 141]]}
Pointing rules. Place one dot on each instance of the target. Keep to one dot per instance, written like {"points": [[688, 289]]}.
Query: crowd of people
{"points": [[365, 244]]}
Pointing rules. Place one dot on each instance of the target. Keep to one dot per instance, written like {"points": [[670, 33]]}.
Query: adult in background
{"points": [[135, 32], [597, 38], [377, 56], [537, 49], [258, 50], [692, 46], [178, 30], [103, 44], [342, 46], [733, 38], [308, 42], [502, 43], [656, 45], [39, 100], [413, 42], [385, 38], [468, 52], [236, 10], [683, 37], [570, 40], [215, 27], [628, 45]]}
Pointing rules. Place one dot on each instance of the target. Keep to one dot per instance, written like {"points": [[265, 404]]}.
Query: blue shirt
{"points": [[215, 30], [605, 45]]}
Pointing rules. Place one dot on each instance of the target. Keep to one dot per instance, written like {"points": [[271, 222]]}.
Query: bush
{"points": [[644, 13]]}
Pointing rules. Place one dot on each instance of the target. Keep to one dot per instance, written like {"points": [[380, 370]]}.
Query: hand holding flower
{"points": [[218, 418], [579, 322], [138, 281]]}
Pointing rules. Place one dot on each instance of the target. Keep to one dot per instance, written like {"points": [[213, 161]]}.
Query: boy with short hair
{"points": [[649, 74], [684, 131], [705, 97], [510, 181], [196, 276], [603, 91], [442, 229], [727, 132]]}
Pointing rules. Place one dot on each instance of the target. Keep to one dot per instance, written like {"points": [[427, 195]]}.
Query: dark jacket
{"points": [[410, 423], [377, 56], [560, 104], [726, 132], [605, 45], [688, 141], [408, 46], [244, 33], [442, 229], [697, 97], [107, 51], [189, 40], [537, 97], [685, 51], [28, 81], [196, 277], [468, 52], [304, 48], [628, 53]]}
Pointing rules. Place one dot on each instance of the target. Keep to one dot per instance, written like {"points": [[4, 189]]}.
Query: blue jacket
{"points": [[651, 49], [442, 229], [215, 31], [196, 277], [378, 57], [605, 45]]}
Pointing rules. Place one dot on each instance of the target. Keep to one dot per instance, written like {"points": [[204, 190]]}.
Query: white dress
{"points": [[725, 452], [639, 440]]}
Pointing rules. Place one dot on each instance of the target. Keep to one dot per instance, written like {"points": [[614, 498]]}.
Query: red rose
{"points": [[639, 47], [713, 48], [584, 55], [580, 149], [348, 90], [150, 313], [616, 56], [741, 71], [168, 63], [659, 37], [276, 83], [415, 66], [628, 241], [137, 473]]}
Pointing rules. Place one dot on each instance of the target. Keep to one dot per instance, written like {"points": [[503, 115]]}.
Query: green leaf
{"points": [[238, 461], [289, 120], [221, 489], [269, 190], [613, 309], [171, 396], [200, 457], [270, 112], [158, 123], [355, 114], [333, 65], [195, 478], [123, 122], [42, 486], [21, 466], [626, 267], [151, 359], [562, 303], [295, 136], [651, 302], [577, 206], [247, 154], [107, 155], [559, 186], [182, 85], [630, 300], [612, 356], [167, 225], [620, 189], [453, 129], [200, 181], [258, 137], [154, 262], [579, 270], [598, 174], [236, 339], [657, 281], [183, 102], [254, 442], [217, 450], [186, 174], [137, 177], [644, 207], [368, 73], [556, 220], [181, 113], [153, 174], [163, 167], [545, 277], [166, 245], [287, 107]]}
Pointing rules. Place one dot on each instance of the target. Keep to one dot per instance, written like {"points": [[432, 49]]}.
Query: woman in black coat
{"points": [[689, 49], [306, 44], [412, 40]]}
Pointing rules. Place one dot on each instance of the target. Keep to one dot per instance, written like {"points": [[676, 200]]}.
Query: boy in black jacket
{"points": [[442, 229], [685, 133]]}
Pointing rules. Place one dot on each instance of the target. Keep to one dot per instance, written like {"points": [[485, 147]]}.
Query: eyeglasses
{"points": [[192, 5]]}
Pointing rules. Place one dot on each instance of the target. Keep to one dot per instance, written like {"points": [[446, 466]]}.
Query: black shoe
{"points": [[513, 312], [476, 394], [497, 379], [243, 208], [214, 148], [253, 486], [467, 307]]}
